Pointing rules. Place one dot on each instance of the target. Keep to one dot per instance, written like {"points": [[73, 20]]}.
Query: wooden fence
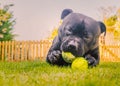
{"points": [[110, 53], [37, 50], [24, 50]]}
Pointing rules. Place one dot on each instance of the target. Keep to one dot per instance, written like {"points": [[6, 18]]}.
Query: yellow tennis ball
{"points": [[68, 57], [79, 64]]}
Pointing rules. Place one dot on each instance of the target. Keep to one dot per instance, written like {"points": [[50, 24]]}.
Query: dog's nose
{"points": [[71, 46]]}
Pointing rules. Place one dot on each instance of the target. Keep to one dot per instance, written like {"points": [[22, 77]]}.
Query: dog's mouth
{"points": [[74, 52]]}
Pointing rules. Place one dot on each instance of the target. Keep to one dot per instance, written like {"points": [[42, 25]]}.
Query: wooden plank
{"points": [[9, 50], [41, 49], [22, 50], [13, 51], [6, 50], [37, 49], [3, 50], [18, 51], [0, 51]]}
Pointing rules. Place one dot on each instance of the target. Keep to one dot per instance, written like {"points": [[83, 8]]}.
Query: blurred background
{"points": [[36, 19]]}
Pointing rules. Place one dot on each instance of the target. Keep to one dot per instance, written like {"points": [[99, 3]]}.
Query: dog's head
{"points": [[79, 34]]}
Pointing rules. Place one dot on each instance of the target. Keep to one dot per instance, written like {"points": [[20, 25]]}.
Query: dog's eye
{"points": [[85, 33], [68, 33]]}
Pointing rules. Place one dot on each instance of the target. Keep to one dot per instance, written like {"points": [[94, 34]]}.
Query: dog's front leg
{"points": [[54, 55]]}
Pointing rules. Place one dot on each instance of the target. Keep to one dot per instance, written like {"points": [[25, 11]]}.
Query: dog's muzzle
{"points": [[73, 46]]}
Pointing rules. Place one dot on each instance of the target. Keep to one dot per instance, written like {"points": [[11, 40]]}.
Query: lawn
{"points": [[38, 73]]}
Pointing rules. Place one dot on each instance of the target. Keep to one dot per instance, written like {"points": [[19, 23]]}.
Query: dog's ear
{"points": [[65, 12], [102, 27]]}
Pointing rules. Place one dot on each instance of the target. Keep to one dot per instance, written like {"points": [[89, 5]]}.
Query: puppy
{"points": [[78, 34]]}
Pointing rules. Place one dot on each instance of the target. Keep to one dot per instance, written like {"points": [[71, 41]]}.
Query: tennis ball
{"points": [[79, 64], [68, 57]]}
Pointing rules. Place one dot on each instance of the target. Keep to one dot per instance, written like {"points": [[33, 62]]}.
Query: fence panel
{"points": [[24, 50], [110, 53]]}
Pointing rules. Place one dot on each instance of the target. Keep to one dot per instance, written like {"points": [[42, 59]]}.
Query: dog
{"points": [[78, 34]]}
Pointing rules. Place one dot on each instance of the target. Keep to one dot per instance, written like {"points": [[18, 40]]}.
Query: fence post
{"points": [[3, 49], [0, 51]]}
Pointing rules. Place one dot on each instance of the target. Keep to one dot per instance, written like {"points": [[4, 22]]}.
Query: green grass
{"points": [[42, 74]]}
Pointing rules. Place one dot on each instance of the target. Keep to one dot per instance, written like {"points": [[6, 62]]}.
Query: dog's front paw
{"points": [[91, 60], [54, 56]]}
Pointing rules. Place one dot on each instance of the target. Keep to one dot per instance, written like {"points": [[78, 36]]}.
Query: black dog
{"points": [[78, 34]]}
